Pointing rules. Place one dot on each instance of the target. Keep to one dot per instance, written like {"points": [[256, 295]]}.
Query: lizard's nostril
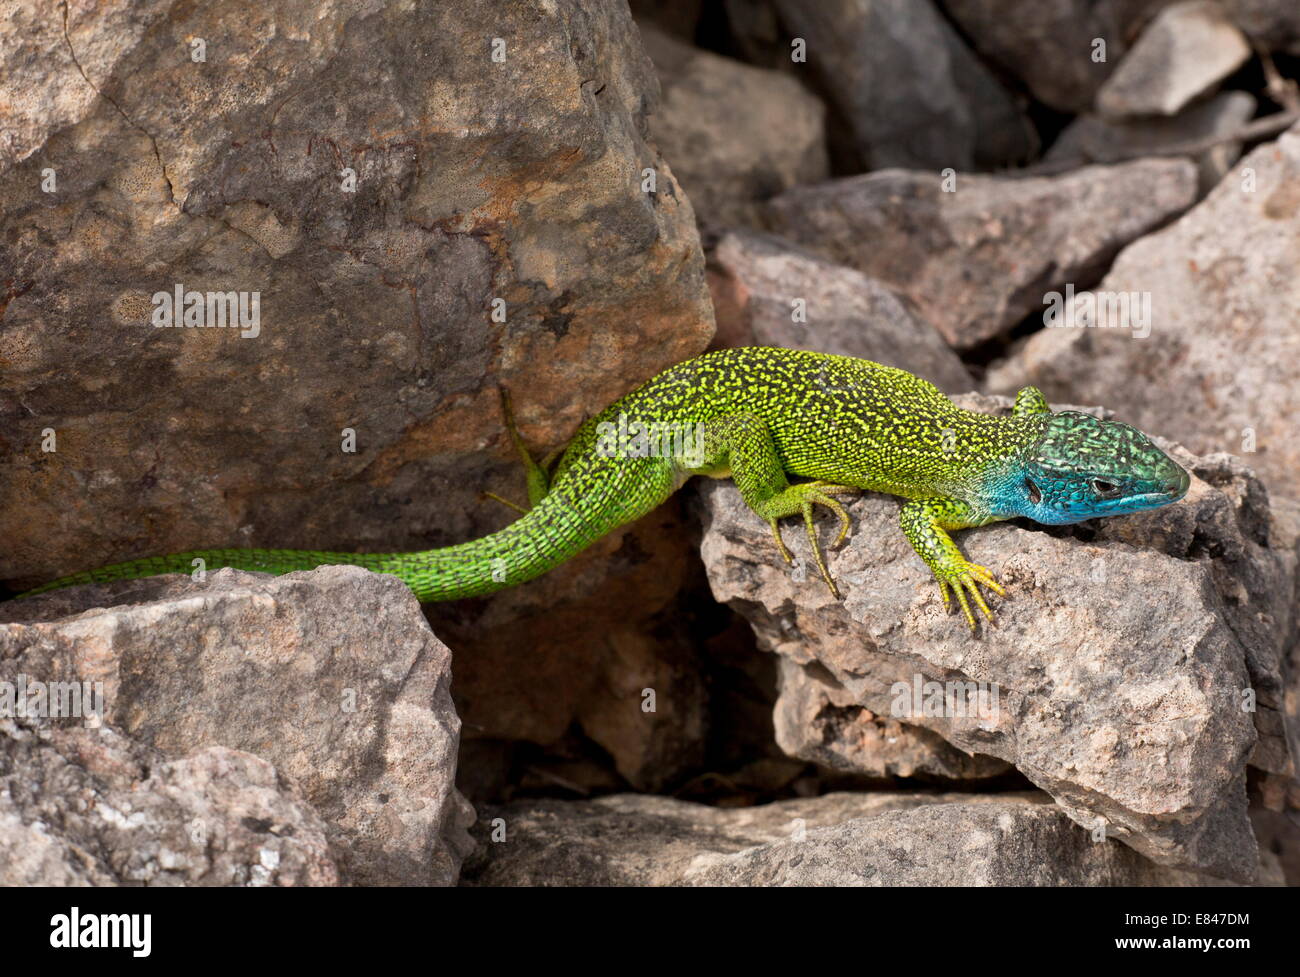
{"points": [[1178, 484]]}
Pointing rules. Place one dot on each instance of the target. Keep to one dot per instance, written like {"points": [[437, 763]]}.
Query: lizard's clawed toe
{"points": [[780, 543], [966, 582]]}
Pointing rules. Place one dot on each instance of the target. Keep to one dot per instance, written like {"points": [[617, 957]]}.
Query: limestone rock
{"points": [[1115, 679], [817, 719], [86, 806], [875, 839], [758, 279], [1050, 44], [733, 134], [978, 259], [1183, 53], [477, 179], [332, 675]]}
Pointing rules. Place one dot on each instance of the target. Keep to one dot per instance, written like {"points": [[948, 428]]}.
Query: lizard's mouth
{"points": [[1173, 489], [1148, 500]]}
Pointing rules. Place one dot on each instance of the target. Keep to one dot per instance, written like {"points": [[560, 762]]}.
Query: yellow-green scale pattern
{"points": [[759, 415]]}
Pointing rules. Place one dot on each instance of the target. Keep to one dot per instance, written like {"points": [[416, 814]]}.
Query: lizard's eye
{"points": [[1035, 496], [1104, 488]]}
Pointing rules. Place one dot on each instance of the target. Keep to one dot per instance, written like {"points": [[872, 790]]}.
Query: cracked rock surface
{"points": [[841, 839], [518, 180], [89, 807], [331, 675], [1123, 664]]}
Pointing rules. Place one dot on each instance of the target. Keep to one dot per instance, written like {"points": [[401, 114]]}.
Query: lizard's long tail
{"points": [[595, 495]]}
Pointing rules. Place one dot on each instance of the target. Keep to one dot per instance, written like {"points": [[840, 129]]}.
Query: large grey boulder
{"points": [[843, 839], [497, 231], [1133, 674], [976, 254], [331, 675]]}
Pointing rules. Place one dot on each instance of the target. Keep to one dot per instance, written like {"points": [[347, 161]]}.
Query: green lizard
{"points": [[760, 415]]}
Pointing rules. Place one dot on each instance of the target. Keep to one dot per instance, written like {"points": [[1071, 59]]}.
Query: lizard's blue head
{"points": [[1083, 467]]}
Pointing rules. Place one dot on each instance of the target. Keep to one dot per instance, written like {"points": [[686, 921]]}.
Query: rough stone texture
{"points": [[44, 87], [905, 89], [1048, 44], [85, 806], [873, 839], [575, 649], [1218, 371], [475, 180], [977, 260], [734, 134], [755, 278], [818, 720], [1121, 661], [332, 675], [1092, 139], [1184, 52]]}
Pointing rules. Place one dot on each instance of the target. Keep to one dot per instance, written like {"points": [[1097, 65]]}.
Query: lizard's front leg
{"points": [[741, 445], [924, 523]]}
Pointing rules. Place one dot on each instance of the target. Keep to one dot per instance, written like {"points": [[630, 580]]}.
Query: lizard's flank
{"points": [[761, 416]]}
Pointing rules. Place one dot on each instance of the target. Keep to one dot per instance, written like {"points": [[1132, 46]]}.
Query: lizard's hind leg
{"points": [[537, 473], [741, 445]]}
